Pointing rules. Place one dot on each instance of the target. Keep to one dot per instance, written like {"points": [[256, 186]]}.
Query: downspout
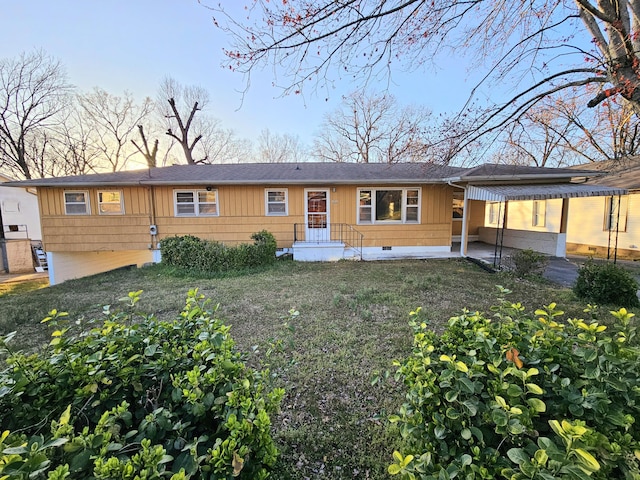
{"points": [[465, 220], [153, 229]]}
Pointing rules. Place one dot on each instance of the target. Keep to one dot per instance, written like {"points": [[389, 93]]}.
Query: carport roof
{"points": [[503, 193]]}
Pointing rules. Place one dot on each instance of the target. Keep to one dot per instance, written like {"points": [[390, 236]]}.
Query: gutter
{"points": [[213, 181]]}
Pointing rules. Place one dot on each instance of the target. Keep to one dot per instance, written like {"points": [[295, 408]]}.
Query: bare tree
{"points": [[540, 137], [33, 91], [564, 132], [149, 154], [537, 48], [178, 105], [372, 129], [610, 132], [113, 119], [66, 149], [219, 144], [279, 148]]}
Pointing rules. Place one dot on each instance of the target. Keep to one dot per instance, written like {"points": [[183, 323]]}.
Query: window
{"points": [[196, 203], [389, 206], [458, 207], [613, 206], [110, 203], [76, 203], [365, 207], [496, 211], [276, 202], [539, 213]]}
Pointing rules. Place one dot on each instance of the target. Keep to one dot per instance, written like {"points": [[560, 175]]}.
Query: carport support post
{"points": [[464, 237], [3, 247]]}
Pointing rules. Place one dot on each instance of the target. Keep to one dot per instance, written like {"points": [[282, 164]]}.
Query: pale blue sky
{"points": [[131, 45]]}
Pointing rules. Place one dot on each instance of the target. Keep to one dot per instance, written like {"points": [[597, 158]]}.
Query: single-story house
{"points": [[316, 211], [19, 227]]}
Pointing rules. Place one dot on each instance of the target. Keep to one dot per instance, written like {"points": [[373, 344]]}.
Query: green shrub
{"points": [[193, 253], [520, 397], [528, 262], [606, 283], [137, 398]]}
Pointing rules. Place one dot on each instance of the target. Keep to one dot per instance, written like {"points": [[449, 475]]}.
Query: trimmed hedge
{"points": [[193, 253], [606, 283], [521, 396], [137, 398]]}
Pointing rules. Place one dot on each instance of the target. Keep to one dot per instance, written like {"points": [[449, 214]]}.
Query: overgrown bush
{"points": [[521, 397], [137, 398], [193, 253], [528, 262], [606, 283]]}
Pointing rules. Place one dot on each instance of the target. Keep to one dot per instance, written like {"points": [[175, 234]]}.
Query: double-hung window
{"points": [[539, 213], [276, 202], [196, 203], [76, 203], [389, 205], [496, 212], [110, 202]]}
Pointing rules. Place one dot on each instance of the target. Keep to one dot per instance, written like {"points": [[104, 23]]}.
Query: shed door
{"points": [[317, 215]]}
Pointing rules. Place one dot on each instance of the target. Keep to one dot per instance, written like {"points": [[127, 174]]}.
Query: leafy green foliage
{"points": [[528, 262], [193, 253], [606, 283], [518, 397], [136, 397]]}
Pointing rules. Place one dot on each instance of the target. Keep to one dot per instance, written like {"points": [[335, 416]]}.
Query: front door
{"points": [[317, 215]]}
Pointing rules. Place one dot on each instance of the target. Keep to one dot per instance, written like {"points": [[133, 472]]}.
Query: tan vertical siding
{"points": [[95, 232], [242, 213]]}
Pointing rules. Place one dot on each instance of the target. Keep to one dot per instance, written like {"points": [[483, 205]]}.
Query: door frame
{"points": [[317, 234]]}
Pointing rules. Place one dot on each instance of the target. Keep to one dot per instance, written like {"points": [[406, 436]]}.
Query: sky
{"points": [[131, 45]]}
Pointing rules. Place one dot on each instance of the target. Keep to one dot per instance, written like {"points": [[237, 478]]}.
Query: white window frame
{"points": [[100, 202], [539, 213], [86, 203], [611, 213], [267, 203], [195, 195], [496, 210], [405, 207]]}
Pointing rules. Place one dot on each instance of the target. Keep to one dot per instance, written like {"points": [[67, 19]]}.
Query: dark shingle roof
{"points": [[310, 174], [623, 173], [494, 171], [263, 174]]}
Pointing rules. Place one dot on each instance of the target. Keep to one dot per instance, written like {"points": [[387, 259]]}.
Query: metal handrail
{"points": [[337, 232]]}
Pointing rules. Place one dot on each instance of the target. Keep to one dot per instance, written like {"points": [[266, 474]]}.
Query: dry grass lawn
{"points": [[352, 324]]}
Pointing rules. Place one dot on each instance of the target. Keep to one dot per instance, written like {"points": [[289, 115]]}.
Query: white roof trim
{"points": [[503, 193]]}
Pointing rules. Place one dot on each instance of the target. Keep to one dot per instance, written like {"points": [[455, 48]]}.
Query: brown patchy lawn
{"points": [[352, 324]]}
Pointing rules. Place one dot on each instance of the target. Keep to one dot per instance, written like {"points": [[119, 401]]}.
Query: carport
{"points": [[503, 194]]}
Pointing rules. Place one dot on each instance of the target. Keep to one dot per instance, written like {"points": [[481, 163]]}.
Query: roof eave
{"points": [[147, 183]]}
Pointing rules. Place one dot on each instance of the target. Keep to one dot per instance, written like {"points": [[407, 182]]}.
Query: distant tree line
{"points": [[49, 128]]}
